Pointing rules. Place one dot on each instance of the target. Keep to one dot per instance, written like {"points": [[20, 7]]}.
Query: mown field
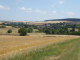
{"points": [[11, 44]]}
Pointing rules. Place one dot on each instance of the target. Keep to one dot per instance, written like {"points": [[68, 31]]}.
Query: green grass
{"points": [[73, 53], [67, 50]]}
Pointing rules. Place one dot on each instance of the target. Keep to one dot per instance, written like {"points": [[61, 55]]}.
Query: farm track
{"points": [[11, 44]]}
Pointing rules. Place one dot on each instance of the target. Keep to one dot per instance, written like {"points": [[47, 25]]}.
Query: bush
{"points": [[23, 31], [9, 31]]}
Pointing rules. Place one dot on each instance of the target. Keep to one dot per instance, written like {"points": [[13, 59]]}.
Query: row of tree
{"points": [[63, 31]]}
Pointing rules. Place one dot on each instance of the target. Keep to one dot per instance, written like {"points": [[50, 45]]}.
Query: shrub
{"points": [[9, 31], [23, 31]]}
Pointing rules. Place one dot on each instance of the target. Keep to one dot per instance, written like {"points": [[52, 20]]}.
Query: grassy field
{"points": [[61, 50], [75, 29], [4, 30], [11, 44]]}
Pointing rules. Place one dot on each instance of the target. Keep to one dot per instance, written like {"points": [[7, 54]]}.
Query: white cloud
{"points": [[16, 3], [37, 11], [53, 5], [60, 2], [50, 14], [70, 13], [41, 12], [54, 12], [23, 8], [28, 10], [4, 8]]}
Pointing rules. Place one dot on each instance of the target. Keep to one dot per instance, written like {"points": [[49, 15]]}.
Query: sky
{"points": [[38, 10]]}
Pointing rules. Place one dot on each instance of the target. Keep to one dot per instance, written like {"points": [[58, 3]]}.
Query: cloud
{"points": [[23, 8], [4, 8], [16, 3], [28, 10], [53, 5], [60, 2], [54, 12], [50, 14], [70, 13], [41, 12], [37, 11]]}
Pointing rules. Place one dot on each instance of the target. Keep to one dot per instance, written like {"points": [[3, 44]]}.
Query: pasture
{"points": [[11, 44], [4, 30]]}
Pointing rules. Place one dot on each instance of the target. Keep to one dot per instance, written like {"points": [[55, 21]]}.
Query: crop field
{"points": [[11, 44]]}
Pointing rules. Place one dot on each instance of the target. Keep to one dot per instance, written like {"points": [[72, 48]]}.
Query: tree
{"points": [[73, 29], [54, 32], [9, 31], [74, 33], [35, 27], [48, 31], [78, 33], [23, 31], [63, 31], [30, 30]]}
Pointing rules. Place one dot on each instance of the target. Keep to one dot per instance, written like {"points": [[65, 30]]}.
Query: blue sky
{"points": [[38, 10]]}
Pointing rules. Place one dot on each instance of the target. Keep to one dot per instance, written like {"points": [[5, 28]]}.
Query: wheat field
{"points": [[11, 44]]}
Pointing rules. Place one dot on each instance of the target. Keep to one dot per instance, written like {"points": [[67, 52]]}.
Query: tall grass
{"points": [[54, 50]]}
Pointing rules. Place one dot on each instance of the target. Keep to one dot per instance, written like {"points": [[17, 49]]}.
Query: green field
{"points": [[67, 50]]}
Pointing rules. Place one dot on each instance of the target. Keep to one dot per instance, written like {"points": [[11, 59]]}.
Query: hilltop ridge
{"points": [[66, 19]]}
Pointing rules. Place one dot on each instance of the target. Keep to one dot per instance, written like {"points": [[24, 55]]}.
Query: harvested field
{"points": [[11, 44]]}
